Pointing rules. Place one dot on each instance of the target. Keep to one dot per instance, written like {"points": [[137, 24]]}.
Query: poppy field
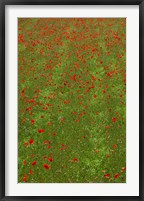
{"points": [[71, 100]]}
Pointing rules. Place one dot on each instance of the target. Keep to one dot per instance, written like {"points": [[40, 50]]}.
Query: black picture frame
{"points": [[3, 3]]}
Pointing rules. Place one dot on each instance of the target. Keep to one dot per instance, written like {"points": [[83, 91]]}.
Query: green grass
{"points": [[71, 85]]}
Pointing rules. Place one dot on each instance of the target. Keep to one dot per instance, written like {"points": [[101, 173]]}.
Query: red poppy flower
{"points": [[32, 121], [91, 87], [107, 176], [75, 160], [74, 112], [41, 130], [41, 51], [107, 127], [26, 144], [31, 101], [24, 162], [31, 141], [66, 101], [31, 172], [50, 159], [73, 77], [114, 146], [34, 163], [93, 50], [29, 108], [46, 166], [62, 119], [44, 157], [116, 176], [113, 119], [25, 178], [93, 78]]}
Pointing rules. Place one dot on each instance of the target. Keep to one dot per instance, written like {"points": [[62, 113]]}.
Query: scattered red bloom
{"points": [[49, 123], [109, 74], [29, 108], [66, 101], [44, 157], [22, 94], [46, 166], [93, 78], [113, 119], [107, 176], [24, 162], [41, 130], [93, 50], [31, 141], [26, 144], [62, 119], [31, 172], [41, 51], [25, 178], [74, 112], [116, 176], [50, 159], [107, 127], [114, 146], [73, 77], [34, 163], [75, 160], [77, 120], [31, 101], [54, 134], [32, 121], [92, 86]]}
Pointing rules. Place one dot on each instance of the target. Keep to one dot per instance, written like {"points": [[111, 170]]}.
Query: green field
{"points": [[71, 100]]}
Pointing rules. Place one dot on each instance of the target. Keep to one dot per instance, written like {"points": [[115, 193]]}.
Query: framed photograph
{"points": [[71, 99]]}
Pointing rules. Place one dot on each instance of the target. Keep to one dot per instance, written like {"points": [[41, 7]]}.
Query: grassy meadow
{"points": [[71, 100]]}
